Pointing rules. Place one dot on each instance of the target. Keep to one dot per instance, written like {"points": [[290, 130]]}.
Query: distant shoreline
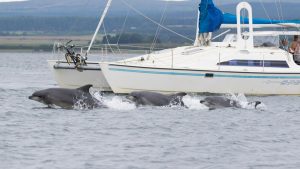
{"points": [[45, 43], [36, 43]]}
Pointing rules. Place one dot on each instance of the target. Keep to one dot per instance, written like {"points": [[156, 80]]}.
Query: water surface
{"points": [[126, 137]]}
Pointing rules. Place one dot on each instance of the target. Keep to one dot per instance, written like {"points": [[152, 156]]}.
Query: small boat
{"points": [[68, 77], [249, 61], [74, 70]]}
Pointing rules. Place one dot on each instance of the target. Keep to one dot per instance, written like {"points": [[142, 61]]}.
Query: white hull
{"points": [[68, 77], [247, 62], [125, 79]]}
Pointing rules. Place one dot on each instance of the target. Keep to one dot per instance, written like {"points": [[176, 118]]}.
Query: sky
{"points": [[12, 0], [216, 1]]}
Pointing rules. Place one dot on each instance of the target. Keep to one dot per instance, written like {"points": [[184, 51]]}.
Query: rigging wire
{"points": [[107, 40], [122, 30], [265, 10], [162, 20], [281, 17], [277, 9], [153, 21]]}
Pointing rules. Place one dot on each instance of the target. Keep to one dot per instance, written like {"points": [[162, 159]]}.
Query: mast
{"points": [[99, 25]]}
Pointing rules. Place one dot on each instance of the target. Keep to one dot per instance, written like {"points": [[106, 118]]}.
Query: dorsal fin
{"points": [[85, 88]]}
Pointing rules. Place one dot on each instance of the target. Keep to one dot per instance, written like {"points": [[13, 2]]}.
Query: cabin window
{"points": [[282, 64], [256, 63], [266, 41]]}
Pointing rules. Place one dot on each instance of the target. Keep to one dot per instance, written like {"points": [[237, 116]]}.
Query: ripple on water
{"points": [[125, 136]]}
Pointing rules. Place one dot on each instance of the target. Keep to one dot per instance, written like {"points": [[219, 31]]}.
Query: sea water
{"points": [[124, 136]]}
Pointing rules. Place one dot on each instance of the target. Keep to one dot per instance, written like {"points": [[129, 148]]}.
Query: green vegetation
{"points": [[46, 25], [36, 33], [30, 25], [45, 48]]}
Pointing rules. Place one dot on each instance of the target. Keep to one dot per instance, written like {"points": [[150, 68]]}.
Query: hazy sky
{"points": [[216, 1], [12, 0]]}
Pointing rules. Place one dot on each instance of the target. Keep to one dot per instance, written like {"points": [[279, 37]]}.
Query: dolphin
{"points": [[216, 102], [156, 99], [66, 98]]}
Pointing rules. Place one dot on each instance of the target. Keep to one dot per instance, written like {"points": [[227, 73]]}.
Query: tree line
{"points": [[30, 25]]}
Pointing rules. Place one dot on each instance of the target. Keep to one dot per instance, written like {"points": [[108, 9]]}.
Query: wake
{"points": [[191, 102]]}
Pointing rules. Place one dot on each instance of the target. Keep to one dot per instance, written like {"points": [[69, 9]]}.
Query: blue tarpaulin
{"points": [[231, 19], [211, 17]]}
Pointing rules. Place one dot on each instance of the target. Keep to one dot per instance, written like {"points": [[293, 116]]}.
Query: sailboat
{"points": [[74, 70], [238, 64]]}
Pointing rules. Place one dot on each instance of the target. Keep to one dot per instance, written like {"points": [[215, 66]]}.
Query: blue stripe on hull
{"points": [[203, 75]]}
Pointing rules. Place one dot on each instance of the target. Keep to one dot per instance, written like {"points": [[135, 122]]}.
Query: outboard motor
{"points": [[71, 56]]}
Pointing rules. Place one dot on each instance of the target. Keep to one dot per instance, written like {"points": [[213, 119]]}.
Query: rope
{"points": [[153, 21]]}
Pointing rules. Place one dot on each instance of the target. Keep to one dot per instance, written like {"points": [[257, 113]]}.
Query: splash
{"points": [[81, 105], [118, 103], [114, 102], [193, 103], [97, 95], [244, 103], [84, 103]]}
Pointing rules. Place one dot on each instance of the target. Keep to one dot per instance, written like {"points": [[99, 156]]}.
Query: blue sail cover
{"points": [[232, 19], [211, 18]]}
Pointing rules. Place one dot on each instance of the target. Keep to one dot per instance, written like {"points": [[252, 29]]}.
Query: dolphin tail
{"points": [[85, 88]]}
